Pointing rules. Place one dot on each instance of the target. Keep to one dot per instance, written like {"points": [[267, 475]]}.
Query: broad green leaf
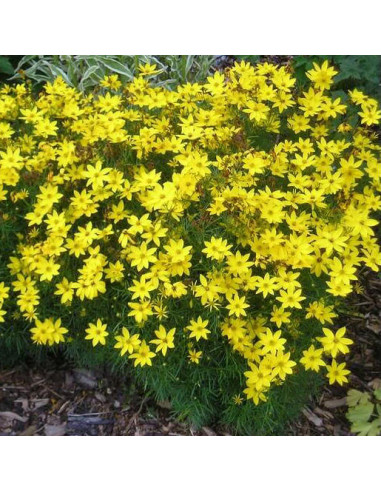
{"points": [[6, 66], [90, 71], [377, 393], [375, 427], [360, 413], [341, 94], [25, 59], [367, 428], [353, 397], [249, 58], [361, 428], [117, 67], [300, 61], [58, 72], [189, 63]]}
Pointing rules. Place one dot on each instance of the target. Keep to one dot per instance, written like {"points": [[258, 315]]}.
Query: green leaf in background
{"points": [[358, 68], [362, 428], [249, 58], [355, 396], [5, 65], [377, 393], [364, 413], [85, 71], [361, 71], [368, 428], [117, 67], [361, 413], [375, 428]]}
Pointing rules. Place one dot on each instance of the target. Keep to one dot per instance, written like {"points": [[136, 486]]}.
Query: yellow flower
{"points": [[335, 342], [337, 373], [271, 342], [257, 111], [126, 342], [58, 332], [3, 291], [148, 69], [283, 365], [312, 359], [291, 298], [47, 269], [237, 399], [140, 311], [164, 339], [238, 263], [280, 316], [237, 306], [141, 289], [111, 81], [42, 332], [65, 289], [195, 356], [96, 175], [322, 76], [198, 329], [370, 114], [141, 256], [217, 248], [114, 271], [143, 355], [259, 378], [267, 285], [97, 333]]}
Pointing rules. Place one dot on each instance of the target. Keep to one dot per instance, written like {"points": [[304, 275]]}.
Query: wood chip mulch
{"points": [[80, 402]]}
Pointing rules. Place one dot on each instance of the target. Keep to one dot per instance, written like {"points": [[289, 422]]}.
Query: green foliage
{"points": [[364, 412], [249, 58], [84, 72], [5, 65], [284, 405], [362, 71]]}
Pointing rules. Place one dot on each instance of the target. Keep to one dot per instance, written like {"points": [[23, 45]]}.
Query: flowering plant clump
{"points": [[210, 231]]}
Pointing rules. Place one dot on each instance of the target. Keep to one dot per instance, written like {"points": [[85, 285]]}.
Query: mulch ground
{"points": [[61, 400], [65, 401]]}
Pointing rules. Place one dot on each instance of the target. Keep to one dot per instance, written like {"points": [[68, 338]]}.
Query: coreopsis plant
{"points": [[203, 237]]}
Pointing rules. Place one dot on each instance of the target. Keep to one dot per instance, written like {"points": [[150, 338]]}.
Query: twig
{"points": [[136, 414], [9, 373], [93, 414], [54, 393], [37, 383], [13, 387], [77, 415]]}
